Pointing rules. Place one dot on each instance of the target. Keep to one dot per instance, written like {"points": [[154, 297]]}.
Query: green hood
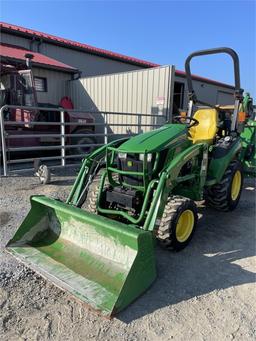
{"points": [[156, 140]]}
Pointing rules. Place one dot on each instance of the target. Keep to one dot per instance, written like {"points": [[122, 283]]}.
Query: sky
{"points": [[164, 32]]}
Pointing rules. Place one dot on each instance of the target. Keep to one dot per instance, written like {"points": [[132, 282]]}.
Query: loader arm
{"points": [[88, 170], [221, 158]]}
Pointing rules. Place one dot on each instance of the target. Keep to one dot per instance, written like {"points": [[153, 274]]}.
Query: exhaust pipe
{"points": [[29, 57]]}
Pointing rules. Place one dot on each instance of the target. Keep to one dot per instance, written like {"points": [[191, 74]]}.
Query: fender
{"points": [[222, 155]]}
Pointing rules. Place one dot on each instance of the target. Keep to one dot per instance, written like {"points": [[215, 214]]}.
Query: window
{"points": [[40, 84]]}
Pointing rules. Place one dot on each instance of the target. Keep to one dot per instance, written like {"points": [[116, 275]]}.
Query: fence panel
{"points": [[28, 138]]}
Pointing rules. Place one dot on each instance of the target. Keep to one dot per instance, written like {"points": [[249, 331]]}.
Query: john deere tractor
{"points": [[99, 244]]}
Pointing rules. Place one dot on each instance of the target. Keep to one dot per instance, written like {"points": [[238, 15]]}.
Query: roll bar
{"points": [[227, 50], [238, 95]]}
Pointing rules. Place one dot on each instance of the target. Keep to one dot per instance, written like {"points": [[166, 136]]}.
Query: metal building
{"points": [[89, 60], [101, 68]]}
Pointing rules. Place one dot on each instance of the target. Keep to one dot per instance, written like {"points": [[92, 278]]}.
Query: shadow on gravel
{"points": [[29, 188], [66, 182], [208, 263]]}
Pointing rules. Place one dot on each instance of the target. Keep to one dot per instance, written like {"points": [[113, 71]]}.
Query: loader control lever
{"points": [[189, 121]]}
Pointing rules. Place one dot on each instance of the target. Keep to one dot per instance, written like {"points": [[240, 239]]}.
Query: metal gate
{"points": [[107, 126]]}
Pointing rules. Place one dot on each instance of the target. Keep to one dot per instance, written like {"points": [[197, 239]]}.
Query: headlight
{"points": [[122, 155], [149, 157]]}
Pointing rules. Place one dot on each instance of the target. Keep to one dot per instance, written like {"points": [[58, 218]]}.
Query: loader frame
{"points": [[169, 181]]}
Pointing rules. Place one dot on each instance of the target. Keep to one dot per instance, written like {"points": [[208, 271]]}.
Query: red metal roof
{"points": [[74, 44], [18, 53]]}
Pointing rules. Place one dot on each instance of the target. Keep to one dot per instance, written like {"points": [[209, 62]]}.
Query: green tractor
{"points": [[99, 244]]}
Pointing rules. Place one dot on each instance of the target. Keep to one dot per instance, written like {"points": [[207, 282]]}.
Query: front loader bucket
{"points": [[102, 262]]}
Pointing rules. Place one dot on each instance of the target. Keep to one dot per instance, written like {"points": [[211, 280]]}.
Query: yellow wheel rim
{"points": [[236, 185], [185, 225]]}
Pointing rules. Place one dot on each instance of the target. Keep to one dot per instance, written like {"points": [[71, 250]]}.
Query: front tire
{"points": [[225, 195], [178, 223], [90, 203]]}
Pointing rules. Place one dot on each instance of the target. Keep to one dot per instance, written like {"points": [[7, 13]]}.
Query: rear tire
{"points": [[225, 195], [178, 223]]}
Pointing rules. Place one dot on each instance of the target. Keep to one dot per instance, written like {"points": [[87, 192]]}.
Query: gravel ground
{"points": [[205, 292]]}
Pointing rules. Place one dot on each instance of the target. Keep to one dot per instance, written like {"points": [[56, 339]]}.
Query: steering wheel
{"points": [[183, 120]]}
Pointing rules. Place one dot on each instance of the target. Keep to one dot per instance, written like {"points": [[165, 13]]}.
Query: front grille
{"points": [[133, 164]]}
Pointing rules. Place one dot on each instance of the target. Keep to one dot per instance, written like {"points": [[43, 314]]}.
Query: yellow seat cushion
{"points": [[206, 130]]}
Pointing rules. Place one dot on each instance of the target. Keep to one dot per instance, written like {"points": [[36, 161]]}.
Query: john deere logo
{"points": [[129, 163]]}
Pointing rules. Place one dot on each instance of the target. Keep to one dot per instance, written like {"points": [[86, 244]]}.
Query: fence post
{"points": [[3, 140], [62, 132], [105, 128]]}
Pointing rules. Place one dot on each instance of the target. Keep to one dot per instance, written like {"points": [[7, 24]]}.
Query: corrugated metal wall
{"points": [[140, 92]]}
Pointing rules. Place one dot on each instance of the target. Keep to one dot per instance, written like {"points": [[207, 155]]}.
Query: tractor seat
{"points": [[206, 130]]}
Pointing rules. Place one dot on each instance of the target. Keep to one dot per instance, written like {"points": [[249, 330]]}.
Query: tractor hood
{"points": [[156, 140]]}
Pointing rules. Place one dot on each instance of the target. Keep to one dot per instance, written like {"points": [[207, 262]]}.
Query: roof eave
{"points": [[79, 48], [41, 65]]}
